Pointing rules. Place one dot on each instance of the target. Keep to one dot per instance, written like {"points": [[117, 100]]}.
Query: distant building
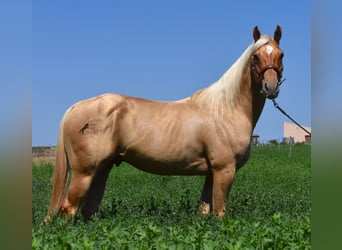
{"points": [[294, 134], [44, 151]]}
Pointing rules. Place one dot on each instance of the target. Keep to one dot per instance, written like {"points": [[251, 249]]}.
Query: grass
{"points": [[269, 208]]}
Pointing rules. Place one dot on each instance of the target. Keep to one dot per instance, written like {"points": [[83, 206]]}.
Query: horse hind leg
{"points": [[82, 174], [95, 194], [77, 189]]}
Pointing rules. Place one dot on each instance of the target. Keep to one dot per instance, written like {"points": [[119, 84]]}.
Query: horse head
{"points": [[267, 64]]}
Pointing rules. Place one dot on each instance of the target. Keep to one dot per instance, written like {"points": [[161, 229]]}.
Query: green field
{"points": [[269, 208]]}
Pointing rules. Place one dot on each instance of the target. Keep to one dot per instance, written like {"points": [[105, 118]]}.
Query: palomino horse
{"points": [[207, 133]]}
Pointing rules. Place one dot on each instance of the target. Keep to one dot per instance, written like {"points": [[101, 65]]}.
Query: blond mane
{"points": [[227, 88]]}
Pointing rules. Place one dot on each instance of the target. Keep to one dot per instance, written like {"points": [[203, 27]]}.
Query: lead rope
{"points": [[276, 105]]}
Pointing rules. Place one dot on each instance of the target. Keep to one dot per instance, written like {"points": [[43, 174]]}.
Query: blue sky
{"points": [[163, 50]]}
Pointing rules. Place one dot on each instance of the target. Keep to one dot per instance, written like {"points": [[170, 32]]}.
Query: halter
{"points": [[260, 75]]}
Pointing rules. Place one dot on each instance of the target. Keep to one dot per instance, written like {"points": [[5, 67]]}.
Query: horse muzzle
{"points": [[270, 90]]}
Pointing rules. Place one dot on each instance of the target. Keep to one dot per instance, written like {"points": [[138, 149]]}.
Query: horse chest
{"points": [[243, 159]]}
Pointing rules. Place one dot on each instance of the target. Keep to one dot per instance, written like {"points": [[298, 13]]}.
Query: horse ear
{"points": [[256, 33], [277, 34]]}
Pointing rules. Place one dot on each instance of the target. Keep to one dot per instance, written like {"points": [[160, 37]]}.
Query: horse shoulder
{"points": [[228, 143]]}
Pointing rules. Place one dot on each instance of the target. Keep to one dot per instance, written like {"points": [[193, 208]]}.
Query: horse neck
{"points": [[246, 100], [250, 102]]}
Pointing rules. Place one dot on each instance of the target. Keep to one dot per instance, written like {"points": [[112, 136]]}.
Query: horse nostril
{"points": [[266, 86]]}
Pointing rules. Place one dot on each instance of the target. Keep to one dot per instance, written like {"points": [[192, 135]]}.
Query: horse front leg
{"points": [[206, 205], [222, 182]]}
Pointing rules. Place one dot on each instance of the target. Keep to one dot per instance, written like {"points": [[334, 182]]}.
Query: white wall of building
{"points": [[292, 130]]}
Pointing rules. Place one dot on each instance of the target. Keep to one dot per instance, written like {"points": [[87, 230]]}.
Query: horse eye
{"points": [[255, 57]]}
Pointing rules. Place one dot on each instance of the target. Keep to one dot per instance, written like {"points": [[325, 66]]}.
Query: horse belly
{"points": [[157, 166]]}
